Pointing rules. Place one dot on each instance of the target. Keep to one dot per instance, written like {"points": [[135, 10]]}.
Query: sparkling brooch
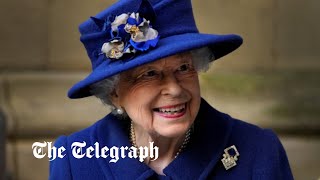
{"points": [[230, 157]]}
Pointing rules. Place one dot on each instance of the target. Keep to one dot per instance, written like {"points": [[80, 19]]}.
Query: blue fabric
{"points": [[261, 153], [177, 30]]}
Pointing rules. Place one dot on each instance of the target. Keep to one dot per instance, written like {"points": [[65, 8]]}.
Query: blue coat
{"points": [[261, 154]]}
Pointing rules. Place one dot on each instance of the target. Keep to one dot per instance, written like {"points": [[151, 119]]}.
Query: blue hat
{"points": [[131, 33]]}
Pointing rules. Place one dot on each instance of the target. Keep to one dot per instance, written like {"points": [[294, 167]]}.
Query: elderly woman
{"points": [[146, 57]]}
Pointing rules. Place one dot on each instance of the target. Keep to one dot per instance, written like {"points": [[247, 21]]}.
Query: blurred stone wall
{"points": [[271, 81]]}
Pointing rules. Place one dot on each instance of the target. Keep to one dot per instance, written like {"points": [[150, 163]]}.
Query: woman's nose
{"points": [[171, 86]]}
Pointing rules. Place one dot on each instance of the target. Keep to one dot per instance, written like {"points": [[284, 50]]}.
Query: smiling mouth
{"points": [[172, 110]]}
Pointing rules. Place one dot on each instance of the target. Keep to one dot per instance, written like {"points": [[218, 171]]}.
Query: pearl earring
{"points": [[119, 111]]}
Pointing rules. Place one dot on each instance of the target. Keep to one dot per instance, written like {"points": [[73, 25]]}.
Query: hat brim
{"points": [[220, 45]]}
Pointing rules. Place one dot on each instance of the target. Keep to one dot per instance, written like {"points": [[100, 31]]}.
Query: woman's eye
{"points": [[184, 67], [150, 73]]}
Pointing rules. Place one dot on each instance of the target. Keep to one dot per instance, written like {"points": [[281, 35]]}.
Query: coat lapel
{"points": [[113, 132]]}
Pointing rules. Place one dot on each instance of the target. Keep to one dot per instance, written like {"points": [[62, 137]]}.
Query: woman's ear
{"points": [[115, 98]]}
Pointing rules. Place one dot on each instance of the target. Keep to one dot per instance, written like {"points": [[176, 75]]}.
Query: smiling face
{"points": [[162, 97]]}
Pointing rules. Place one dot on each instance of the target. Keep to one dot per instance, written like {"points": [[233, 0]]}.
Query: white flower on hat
{"points": [[119, 20], [131, 27], [113, 49], [146, 33], [143, 32]]}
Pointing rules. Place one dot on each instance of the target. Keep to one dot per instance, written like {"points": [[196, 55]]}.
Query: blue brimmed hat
{"points": [[131, 33]]}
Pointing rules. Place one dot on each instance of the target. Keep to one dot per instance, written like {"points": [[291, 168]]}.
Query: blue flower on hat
{"points": [[129, 33]]}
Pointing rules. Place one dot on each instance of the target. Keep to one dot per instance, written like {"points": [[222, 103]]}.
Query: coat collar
{"points": [[209, 139]]}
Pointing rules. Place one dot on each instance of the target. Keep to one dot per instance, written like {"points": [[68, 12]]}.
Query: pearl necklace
{"points": [[182, 147]]}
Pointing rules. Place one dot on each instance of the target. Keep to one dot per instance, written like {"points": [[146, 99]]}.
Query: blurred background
{"points": [[271, 81]]}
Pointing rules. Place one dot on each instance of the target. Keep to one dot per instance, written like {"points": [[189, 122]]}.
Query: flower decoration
{"points": [[113, 49], [129, 33]]}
